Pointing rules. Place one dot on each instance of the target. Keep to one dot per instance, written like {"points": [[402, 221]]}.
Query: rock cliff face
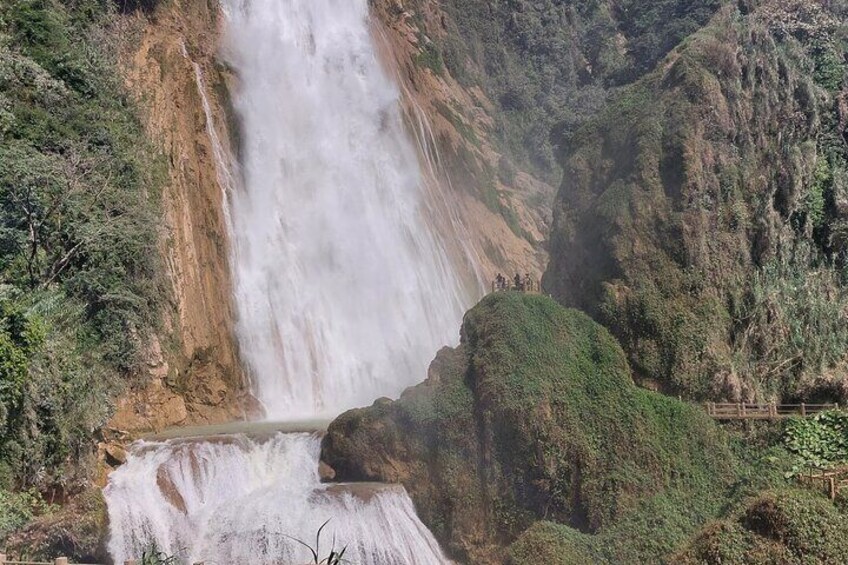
{"points": [[534, 417], [701, 215], [504, 217], [195, 376]]}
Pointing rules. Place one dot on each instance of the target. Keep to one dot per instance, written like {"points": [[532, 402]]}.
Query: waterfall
{"points": [[343, 287], [343, 290]]}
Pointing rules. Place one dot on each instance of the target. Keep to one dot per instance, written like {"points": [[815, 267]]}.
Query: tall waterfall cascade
{"points": [[343, 291], [343, 288]]}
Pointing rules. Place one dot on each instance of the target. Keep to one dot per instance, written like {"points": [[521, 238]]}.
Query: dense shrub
{"points": [[79, 271], [790, 526]]}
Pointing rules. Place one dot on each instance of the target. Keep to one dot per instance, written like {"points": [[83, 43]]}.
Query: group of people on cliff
{"points": [[519, 283]]}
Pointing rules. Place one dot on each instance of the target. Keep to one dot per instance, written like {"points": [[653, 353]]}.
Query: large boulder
{"points": [[534, 416]]}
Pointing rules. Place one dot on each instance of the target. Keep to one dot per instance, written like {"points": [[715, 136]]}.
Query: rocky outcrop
{"points": [[534, 416], [700, 215]]}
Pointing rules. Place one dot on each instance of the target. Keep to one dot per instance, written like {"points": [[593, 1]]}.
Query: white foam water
{"points": [[241, 501]]}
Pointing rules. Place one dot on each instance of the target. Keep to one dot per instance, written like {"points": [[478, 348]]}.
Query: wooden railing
{"points": [[831, 480], [745, 411], [58, 561]]}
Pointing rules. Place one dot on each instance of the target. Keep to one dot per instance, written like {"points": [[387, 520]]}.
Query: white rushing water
{"points": [[243, 502], [343, 290]]}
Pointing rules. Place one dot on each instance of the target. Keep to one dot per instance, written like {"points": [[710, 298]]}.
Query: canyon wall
{"points": [[504, 214]]}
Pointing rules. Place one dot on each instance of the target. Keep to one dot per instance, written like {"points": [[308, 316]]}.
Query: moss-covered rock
{"points": [[534, 416], [784, 526], [701, 213]]}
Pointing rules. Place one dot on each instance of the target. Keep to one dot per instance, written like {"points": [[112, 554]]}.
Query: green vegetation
{"points": [[819, 442], [548, 64], [722, 274], [18, 509], [561, 435], [79, 274], [791, 324], [790, 526], [73, 529], [431, 58], [533, 431], [335, 557]]}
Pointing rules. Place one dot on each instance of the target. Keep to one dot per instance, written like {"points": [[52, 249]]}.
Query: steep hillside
{"points": [[548, 65], [502, 83], [482, 203], [82, 290], [702, 214], [534, 417]]}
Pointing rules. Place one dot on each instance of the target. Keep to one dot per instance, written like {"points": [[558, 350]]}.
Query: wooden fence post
{"points": [[61, 561], [803, 409], [832, 488]]}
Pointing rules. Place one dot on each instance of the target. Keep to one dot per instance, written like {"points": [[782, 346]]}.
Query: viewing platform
{"points": [[517, 283]]}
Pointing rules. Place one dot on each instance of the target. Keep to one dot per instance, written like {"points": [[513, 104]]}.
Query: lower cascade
{"points": [[343, 290], [239, 500]]}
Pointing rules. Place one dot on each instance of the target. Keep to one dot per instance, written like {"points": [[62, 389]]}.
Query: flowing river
{"points": [[343, 289]]}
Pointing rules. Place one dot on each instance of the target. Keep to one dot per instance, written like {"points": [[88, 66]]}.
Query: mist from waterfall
{"points": [[343, 291]]}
